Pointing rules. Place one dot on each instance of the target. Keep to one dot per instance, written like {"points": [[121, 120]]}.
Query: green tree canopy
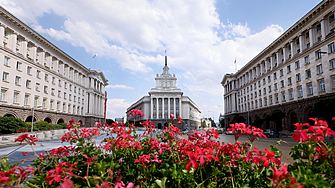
{"points": [[237, 119], [324, 108]]}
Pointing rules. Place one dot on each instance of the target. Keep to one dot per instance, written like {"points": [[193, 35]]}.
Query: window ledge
{"points": [[5, 81], [19, 70]]}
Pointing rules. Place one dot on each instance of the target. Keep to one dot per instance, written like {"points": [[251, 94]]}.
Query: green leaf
{"points": [[161, 183]]}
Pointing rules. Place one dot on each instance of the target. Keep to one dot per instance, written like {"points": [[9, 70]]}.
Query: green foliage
{"points": [[109, 121], [324, 108], [258, 122], [237, 119], [41, 125], [64, 125], [222, 123], [10, 125]]}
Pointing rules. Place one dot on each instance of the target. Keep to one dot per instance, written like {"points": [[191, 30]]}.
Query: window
{"points": [[289, 80], [37, 87], [26, 99], [264, 91], [59, 83], [17, 80], [274, 76], [3, 95], [44, 103], [36, 101], [331, 18], [282, 83], [276, 86], [318, 54], [333, 80], [297, 64], [29, 70], [308, 45], [332, 64], [265, 101], [18, 65], [64, 105], [259, 83], [283, 96], [171, 104], [28, 82], [5, 76], [250, 88], [259, 92], [269, 78], [65, 85], [46, 77], [58, 106], [38, 74], [277, 98], [308, 73], [46, 89], [310, 89], [282, 72], [51, 105], [16, 97], [52, 91], [298, 77], [64, 95], [331, 48], [291, 94], [59, 92], [300, 94], [307, 35], [263, 81], [6, 61], [70, 96], [319, 69], [53, 80], [322, 86], [74, 98], [270, 99], [289, 69], [75, 89], [269, 88], [70, 87], [318, 27]]}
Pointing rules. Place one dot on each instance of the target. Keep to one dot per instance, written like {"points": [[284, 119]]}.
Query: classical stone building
{"points": [[291, 74], [166, 99], [36, 73]]}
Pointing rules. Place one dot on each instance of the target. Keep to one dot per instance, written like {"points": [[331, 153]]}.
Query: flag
{"points": [[165, 51], [235, 61], [94, 55]]}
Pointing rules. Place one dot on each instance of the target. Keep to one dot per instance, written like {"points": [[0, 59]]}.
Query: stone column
{"points": [[261, 68], [266, 65], [311, 36], [157, 109], [24, 48], [272, 63], [284, 53], [174, 107], [49, 61], [33, 53], [323, 29], [292, 48], [278, 58], [233, 103], [180, 109], [169, 108], [2, 33], [301, 42], [12, 41], [163, 108], [151, 108]]}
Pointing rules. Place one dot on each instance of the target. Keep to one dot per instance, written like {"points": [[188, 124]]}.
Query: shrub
{"points": [[41, 125], [63, 125], [51, 126], [10, 125]]}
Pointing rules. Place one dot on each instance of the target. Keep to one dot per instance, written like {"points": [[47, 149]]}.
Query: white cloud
{"points": [[116, 108], [119, 87]]}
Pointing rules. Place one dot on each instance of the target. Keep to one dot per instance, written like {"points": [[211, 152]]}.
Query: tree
{"points": [[237, 119], [10, 124], [258, 122], [324, 108], [276, 116], [222, 123], [212, 122], [109, 121]]}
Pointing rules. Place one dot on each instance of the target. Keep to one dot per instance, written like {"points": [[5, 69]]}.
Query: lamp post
{"points": [[32, 121]]}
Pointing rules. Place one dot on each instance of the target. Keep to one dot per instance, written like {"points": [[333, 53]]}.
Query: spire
{"points": [[165, 60]]}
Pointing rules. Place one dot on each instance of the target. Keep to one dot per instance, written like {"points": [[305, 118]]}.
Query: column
{"points": [[233, 102], [12, 41], [151, 108], [2, 33], [266, 65], [284, 53], [261, 68], [169, 108], [48, 61], [174, 107], [323, 28], [311, 36], [278, 58], [157, 109], [41, 57], [301, 42], [33, 53], [272, 62], [180, 109], [24, 48], [292, 48], [163, 117]]}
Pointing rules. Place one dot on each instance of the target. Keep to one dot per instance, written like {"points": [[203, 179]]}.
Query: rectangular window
{"points": [[284, 97], [322, 86], [300, 92], [331, 18], [318, 27], [319, 69], [310, 89], [18, 65], [274, 76], [276, 86], [289, 80], [298, 77], [264, 91], [308, 73], [289, 69], [29, 70], [307, 35], [282, 83], [65, 85], [282, 72], [6, 61], [44, 103], [297, 64], [51, 105], [59, 93], [53, 80], [28, 83], [5, 76], [74, 98], [38, 74], [17, 80], [64, 95], [70, 96], [45, 89], [37, 87], [52, 91], [333, 80], [331, 48], [46, 77], [269, 88], [332, 64], [277, 98], [3, 95], [291, 94], [318, 54], [16, 97], [36, 101], [58, 106], [269, 78], [59, 83], [64, 105], [26, 99]]}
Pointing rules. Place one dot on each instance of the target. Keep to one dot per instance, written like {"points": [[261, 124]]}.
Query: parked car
{"points": [[271, 133], [229, 132]]}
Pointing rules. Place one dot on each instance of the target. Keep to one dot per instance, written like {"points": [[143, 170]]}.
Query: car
{"points": [[271, 133], [219, 131], [229, 132]]}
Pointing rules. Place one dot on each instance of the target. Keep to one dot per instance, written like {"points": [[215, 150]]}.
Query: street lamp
{"points": [[32, 121]]}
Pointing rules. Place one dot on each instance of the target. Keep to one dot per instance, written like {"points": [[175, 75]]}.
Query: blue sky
{"points": [[202, 39]]}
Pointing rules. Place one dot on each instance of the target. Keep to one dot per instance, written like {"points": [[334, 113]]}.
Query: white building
{"points": [[166, 99], [36, 73], [291, 74]]}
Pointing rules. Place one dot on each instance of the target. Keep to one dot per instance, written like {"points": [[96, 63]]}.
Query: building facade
{"points": [[291, 74], [166, 99], [37, 74]]}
